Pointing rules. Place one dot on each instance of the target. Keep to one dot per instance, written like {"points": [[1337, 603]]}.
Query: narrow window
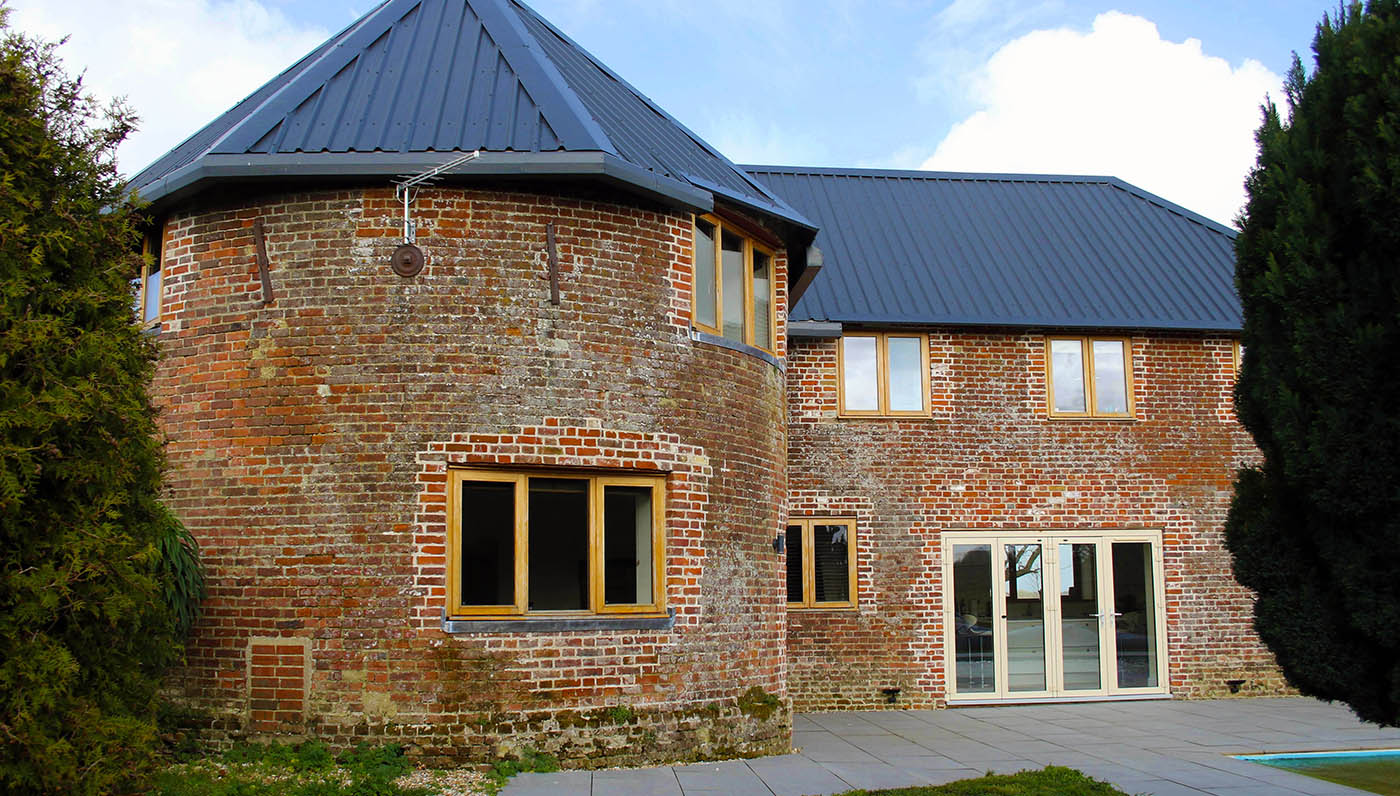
{"points": [[821, 564], [558, 544], [794, 563], [906, 374], [1067, 376], [146, 286], [487, 546], [762, 300], [884, 374], [627, 545], [732, 286], [705, 296], [1089, 377], [542, 543], [860, 374]]}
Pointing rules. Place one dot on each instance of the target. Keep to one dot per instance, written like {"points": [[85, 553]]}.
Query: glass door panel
{"points": [[1135, 632], [1024, 612], [973, 641], [1081, 661]]}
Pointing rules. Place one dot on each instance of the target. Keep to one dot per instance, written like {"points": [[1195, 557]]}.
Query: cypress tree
{"points": [[1315, 528], [95, 572]]}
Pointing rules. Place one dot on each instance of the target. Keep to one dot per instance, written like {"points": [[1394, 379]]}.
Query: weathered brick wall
{"points": [[988, 458], [310, 439]]}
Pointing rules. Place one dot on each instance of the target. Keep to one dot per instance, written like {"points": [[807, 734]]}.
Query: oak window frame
{"points": [[882, 376], [597, 483], [805, 526], [750, 247], [1086, 363], [148, 317]]}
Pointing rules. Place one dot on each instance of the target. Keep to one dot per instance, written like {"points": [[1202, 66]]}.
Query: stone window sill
{"points": [[743, 348], [559, 625]]}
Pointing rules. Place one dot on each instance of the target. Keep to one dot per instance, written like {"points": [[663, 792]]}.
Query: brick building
{"points": [[598, 443]]}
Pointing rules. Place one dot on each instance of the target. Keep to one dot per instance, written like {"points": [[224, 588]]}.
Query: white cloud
{"points": [[179, 63], [1118, 100]]}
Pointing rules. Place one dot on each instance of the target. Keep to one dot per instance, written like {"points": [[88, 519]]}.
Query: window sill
{"points": [[811, 609], [743, 348], [862, 416], [553, 625], [1090, 419]]}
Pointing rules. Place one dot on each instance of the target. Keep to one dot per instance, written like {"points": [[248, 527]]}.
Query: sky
{"points": [[1163, 94]]}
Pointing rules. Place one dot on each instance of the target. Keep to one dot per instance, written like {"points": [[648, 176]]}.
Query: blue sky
{"points": [[1163, 94]]}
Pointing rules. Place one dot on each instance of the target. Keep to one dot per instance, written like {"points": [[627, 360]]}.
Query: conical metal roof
{"points": [[413, 81]]}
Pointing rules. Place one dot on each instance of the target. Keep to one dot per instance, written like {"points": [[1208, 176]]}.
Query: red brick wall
{"points": [[309, 442], [988, 458]]}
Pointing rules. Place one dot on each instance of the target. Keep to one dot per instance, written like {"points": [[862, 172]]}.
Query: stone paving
{"points": [[1152, 747]]}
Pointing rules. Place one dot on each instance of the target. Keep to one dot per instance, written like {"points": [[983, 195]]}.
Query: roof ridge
{"points": [[657, 109], [236, 134], [1011, 177], [925, 174], [546, 79]]}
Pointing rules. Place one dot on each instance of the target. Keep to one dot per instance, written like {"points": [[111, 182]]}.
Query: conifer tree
{"points": [[94, 571], [1315, 527]]}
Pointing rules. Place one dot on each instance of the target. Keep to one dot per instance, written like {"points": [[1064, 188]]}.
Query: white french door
{"points": [[1054, 616]]}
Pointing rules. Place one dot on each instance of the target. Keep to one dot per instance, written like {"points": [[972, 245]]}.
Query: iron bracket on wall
{"points": [[260, 245]]}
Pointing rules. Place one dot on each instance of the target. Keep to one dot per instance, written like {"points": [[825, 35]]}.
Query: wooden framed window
{"points": [[821, 562], [1239, 357], [1089, 376], [146, 287], [555, 544], [883, 374], [734, 285]]}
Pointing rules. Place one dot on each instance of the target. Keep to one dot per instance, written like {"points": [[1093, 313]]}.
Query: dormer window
{"points": [[733, 284]]}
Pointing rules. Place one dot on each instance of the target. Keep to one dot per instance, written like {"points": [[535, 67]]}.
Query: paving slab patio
{"points": [[1162, 747]]}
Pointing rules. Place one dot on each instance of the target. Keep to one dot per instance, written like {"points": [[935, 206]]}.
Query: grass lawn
{"points": [[1050, 781]]}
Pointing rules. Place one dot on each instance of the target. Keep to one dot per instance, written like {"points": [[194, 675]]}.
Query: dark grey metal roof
{"points": [[920, 247], [413, 80]]}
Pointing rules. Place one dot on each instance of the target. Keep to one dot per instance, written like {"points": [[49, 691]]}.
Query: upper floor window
{"points": [[146, 287], [1089, 376], [883, 374], [821, 563], [734, 290], [1239, 356], [546, 543]]}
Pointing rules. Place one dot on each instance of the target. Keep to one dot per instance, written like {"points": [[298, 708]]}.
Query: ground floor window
{"points": [[551, 543], [821, 563], [1044, 615]]}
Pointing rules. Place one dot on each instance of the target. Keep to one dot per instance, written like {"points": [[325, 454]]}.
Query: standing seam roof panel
{"points": [[1015, 250]]}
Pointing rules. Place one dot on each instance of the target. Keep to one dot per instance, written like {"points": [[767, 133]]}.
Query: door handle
{"points": [[1099, 616]]}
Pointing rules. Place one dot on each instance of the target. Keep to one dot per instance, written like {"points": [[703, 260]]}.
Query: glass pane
{"points": [[972, 615], [861, 390], [732, 263], [1110, 382], [762, 300], [627, 545], [906, 374], [153, 293], [1135, 626], [831, 548], [794, 563], [1025, 618], [705, 273], [558, 544], [488, 543], [1079, 615], [1067, 371]]}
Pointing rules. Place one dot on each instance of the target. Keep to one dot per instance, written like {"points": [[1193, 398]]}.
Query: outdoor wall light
{"points": [[780, 542]]}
